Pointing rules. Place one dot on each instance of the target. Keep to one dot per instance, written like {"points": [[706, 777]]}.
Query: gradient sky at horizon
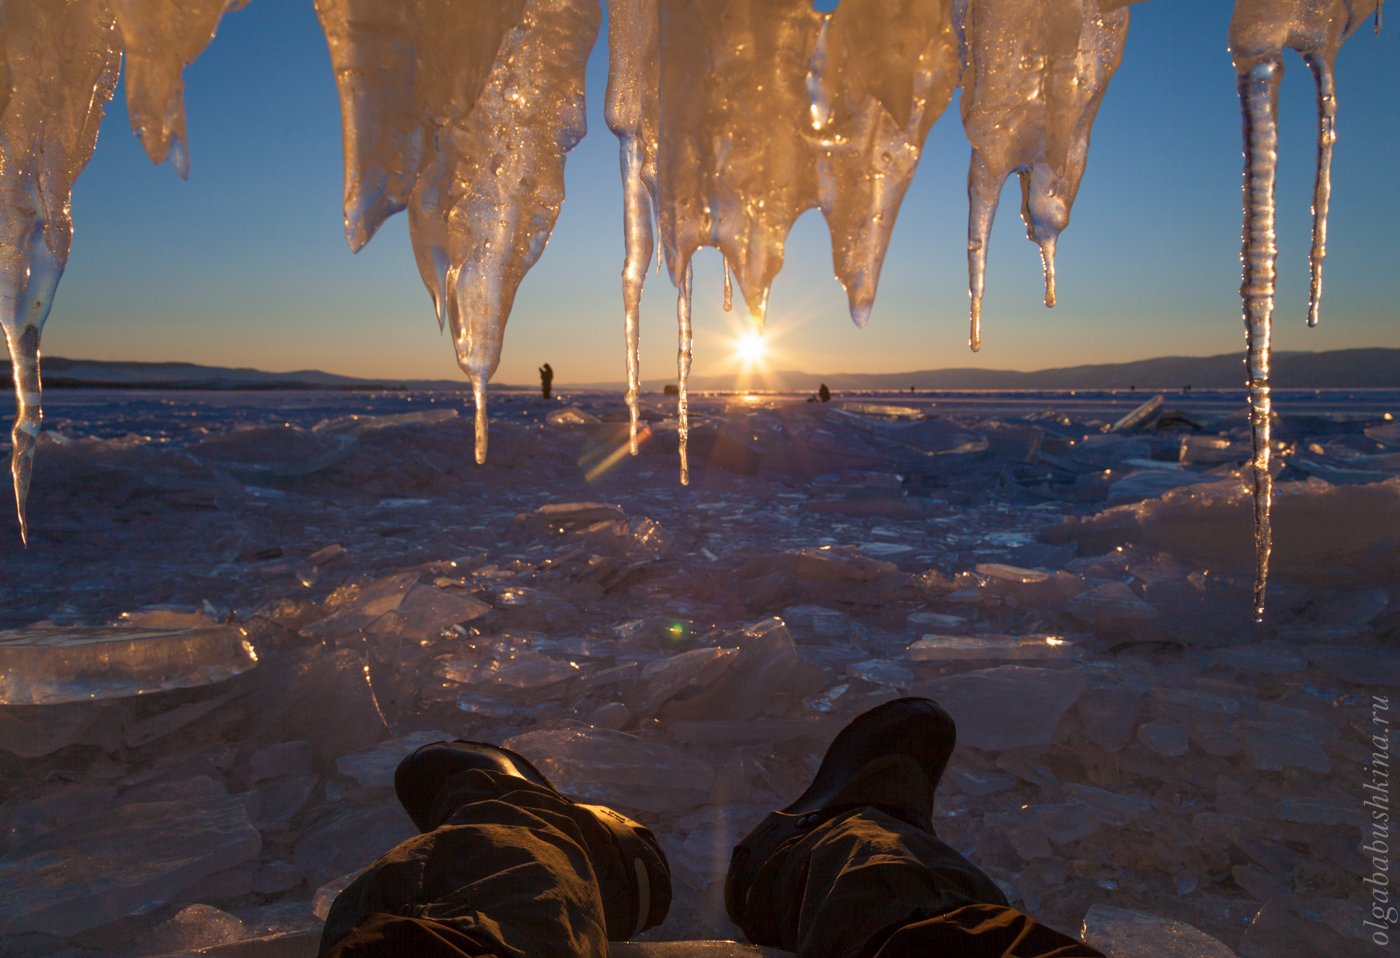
{"points": [[246, 264]]}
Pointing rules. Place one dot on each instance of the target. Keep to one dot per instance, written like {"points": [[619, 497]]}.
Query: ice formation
{"points": [[797, 110], [462, 112], [1259, 32], [160, 39], [733, 119], [1034, 77], [58, 67]]}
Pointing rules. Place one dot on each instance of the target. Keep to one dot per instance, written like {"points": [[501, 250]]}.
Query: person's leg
{"points": [[853, 868], [505, 866]]}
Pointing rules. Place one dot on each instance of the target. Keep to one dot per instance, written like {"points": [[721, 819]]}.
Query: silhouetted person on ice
{"points": [[546, 380], [507, 866], [823, 393]]}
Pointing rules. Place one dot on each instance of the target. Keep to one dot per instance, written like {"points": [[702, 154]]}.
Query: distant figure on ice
{"points": [[546, 380], [823, 393], [506, 865]]}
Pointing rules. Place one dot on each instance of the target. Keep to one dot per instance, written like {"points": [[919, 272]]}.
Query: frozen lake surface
{"points": [[305, 585]]}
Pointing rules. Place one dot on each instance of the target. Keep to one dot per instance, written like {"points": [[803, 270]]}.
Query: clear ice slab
{"points": [[48, 664]]}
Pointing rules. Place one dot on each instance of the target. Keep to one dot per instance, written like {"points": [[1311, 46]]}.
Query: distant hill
{"points": [[95, 373], [1374, 368]]}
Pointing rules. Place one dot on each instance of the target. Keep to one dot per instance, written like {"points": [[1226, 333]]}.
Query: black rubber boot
{"points": [[631, 867], [890, 758]]}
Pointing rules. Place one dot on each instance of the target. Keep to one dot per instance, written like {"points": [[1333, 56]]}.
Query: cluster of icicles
{"points": [[734, 116]]}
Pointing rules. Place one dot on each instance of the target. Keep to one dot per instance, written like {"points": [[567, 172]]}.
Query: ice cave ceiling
{"points": [[734, 117]]}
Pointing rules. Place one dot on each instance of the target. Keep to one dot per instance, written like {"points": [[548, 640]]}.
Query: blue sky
{"points": [[246, 263]]}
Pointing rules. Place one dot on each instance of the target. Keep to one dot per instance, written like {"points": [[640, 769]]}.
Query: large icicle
{"points": [[491, 103], [1035, 74], [768, 108], [161, 38], [883, 72], [58, 67], [632, 116], [1259, 31], [734, 169]]}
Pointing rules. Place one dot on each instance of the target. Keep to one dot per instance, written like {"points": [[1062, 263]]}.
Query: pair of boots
{"points": [[507, 866]]}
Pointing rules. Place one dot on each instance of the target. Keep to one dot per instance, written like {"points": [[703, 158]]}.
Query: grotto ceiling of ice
{"points": [[734, 117]]}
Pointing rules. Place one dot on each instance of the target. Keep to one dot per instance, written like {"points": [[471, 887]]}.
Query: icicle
{"points": [[1047, 265], [1034, 76], [982, 190], [482, 427], [61, 62], [734, 166], [1259, 30], [161, 38], [1258, 84], [1322, 70], [685, 339], [632, 116], [478, 128], [728, 289], [887, 72]]}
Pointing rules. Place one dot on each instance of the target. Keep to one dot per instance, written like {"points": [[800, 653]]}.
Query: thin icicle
{"points": [[640, 240], [685, 339], [1322, 70], [483, 432], [728, 288], [1047, 264], [29, 414], [1258, 86], [982, 189], [632, 115]]}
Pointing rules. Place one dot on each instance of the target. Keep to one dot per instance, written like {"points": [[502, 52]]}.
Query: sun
{"points": [[751, 348]]}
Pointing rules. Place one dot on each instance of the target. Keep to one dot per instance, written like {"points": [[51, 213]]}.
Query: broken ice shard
{"points": [[44, 665], [463, 112], [1034, 76], [58, 66], [161, 39], [1259, 30]]}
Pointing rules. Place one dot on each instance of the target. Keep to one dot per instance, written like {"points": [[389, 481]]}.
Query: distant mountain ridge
{"points": [[1370, 368]]}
